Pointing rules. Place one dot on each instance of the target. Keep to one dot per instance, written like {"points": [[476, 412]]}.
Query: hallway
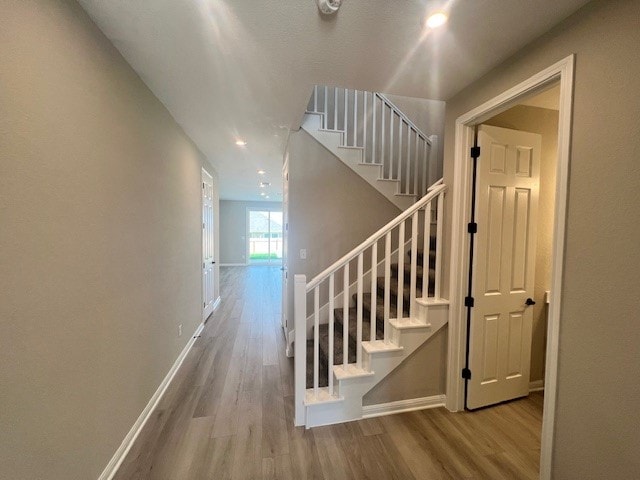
{"points": [[229, 414]]}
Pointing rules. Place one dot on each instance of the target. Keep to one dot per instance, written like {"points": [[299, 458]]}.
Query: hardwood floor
{"points": [[229, 415]]}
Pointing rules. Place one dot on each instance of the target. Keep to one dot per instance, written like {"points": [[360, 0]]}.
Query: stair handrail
{"points": [[437, 184], [402, 115], [436, 189]]}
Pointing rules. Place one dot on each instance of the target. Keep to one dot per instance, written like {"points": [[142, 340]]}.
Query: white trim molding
{"points": [[216, 304], [402, 406], [563, 72], [122, 451], [536, 386], [233, 265]]}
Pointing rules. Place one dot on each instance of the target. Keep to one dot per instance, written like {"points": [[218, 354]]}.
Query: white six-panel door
{"points": [[504, 265], [208, 246]]}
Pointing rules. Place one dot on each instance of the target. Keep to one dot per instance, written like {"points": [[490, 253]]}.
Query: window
{"points": [[265, 236]]}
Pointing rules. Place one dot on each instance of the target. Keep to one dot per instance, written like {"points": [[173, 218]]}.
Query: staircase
{"points": [[374, 138], [367, 317], [353, 327]]}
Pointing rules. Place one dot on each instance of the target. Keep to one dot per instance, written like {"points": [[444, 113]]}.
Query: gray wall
{"points": [[331, 208], [100, 243], [233, 228], [597, 432], [544, 122], [422, 374]]}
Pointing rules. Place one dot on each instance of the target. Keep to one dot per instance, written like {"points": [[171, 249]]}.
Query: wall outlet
{"points": [[303, 254], [180, 330]]}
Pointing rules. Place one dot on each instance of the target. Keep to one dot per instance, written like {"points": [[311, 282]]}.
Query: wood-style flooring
{"points": [[228, 414]]}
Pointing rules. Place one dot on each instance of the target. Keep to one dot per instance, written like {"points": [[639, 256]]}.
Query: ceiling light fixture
{"points": [[261, 172], [437, 20], [263, 184], [262, 194], [240, 142]]}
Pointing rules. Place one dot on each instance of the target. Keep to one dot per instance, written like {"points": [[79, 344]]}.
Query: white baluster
{"points": [[373, 128], [382, 135], [300, 345], [335, 108], [391, 114], [414, 255], [432, 163], [359, 313], [407, 182], [346, 109], [315, 98], [425, 161], [374, 287], [416, 169], [316, 339], [331, 331], [355, 118], [326, 107], [400, 152], [438, 267], [387, 282], [426, 257], [365, 125], [345, 317], [412, 166], [400, 297]]}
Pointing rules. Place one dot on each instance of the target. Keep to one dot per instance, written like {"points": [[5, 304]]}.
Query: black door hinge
{"points": [[469, 301], [466, 374], [475, 152], [472, 228]]}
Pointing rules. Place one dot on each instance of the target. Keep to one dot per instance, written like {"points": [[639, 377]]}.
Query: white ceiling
{"points": [[229, 69]]}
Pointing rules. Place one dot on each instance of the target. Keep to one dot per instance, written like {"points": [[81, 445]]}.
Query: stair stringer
{"points": [[379, 362], [353, 158]]}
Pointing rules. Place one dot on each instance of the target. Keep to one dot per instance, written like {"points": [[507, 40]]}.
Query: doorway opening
{"points": [[463, 243], [264, 236]]}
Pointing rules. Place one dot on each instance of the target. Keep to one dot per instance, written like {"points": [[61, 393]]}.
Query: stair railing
{"points": [[424, 231], [370, 121]]}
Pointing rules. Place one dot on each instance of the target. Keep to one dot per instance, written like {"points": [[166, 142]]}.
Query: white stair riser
{"points": [[381, 363]]}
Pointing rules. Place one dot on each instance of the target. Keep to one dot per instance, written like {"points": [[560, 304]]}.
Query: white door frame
{"points": [[459, 264]]}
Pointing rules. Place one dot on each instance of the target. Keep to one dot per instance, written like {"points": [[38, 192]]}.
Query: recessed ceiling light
{"points": [[240, 142], [437, 19], [262, 194], [261, 172], [263, 184], [267, 196]]}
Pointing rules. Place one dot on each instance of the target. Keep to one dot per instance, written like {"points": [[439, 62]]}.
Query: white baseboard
{"points": [[216, 304], [536, 386], [401, 406], [233, 264], [115, 462]]}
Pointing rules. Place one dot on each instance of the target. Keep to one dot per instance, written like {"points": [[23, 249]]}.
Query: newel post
{"points": [[300, 346]]}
